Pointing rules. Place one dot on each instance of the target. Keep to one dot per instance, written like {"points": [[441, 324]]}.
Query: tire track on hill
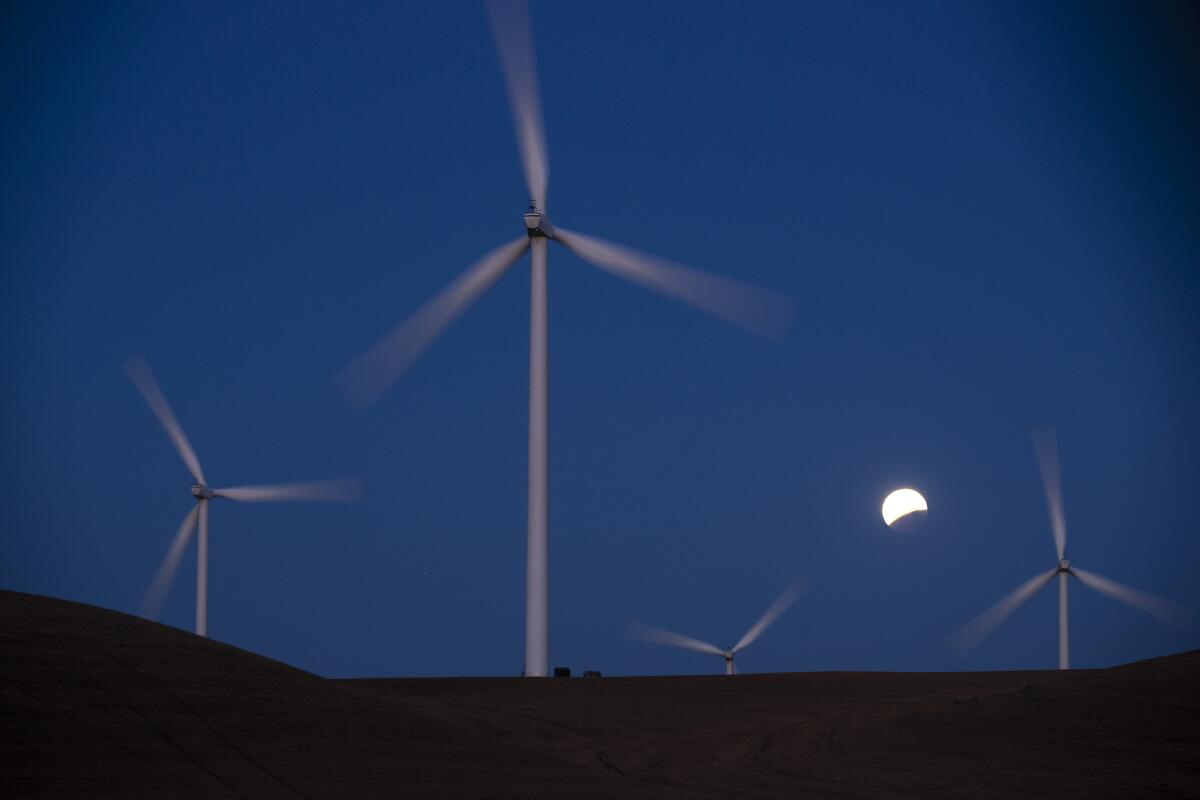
{"points": [[211, 728]]}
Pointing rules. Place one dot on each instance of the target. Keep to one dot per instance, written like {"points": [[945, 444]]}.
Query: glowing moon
{"points": [[904, 509]]}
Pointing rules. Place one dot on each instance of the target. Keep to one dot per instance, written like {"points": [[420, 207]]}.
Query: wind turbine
{"points": [[977, 629], [649, 633], [368, 376], [347, 489]]}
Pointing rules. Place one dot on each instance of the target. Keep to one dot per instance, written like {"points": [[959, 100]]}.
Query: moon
{"points": [[904, 510]]}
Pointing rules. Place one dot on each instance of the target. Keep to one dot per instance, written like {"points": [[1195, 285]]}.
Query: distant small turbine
{"points": [[348, 489], [648, 633], [977, 629]]}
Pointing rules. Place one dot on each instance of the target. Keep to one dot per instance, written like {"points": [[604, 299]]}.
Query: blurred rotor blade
{"points": [[977, 629], [152, 602], [648, 633], [348, 489], [762, 311], [1165, 610], [780, 605], [1047, 454], [514, 42], [139, 372], [366, 377]]}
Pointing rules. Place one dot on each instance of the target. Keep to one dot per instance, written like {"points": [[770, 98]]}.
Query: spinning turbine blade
{"points": [[977, 629], [762, 311], [1047, 455], [772, 613], [514, 43], [1165, 610], [139, 372], [347, 489], [152, 603], [366, 377], [648, 633]]}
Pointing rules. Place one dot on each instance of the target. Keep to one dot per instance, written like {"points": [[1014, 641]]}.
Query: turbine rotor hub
{"points": [[1064, 565], [538, 224], [202, 492]]}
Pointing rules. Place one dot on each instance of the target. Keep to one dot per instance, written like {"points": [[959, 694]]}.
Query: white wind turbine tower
{"points": [[366, 378], [976, 630], [649, 633], [347, 489]]}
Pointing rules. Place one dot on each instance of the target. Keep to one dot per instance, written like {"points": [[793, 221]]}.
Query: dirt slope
{"points": [[94, 703]]}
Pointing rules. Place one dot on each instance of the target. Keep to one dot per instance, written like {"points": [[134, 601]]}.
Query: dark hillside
{"points": [[101, 704]]}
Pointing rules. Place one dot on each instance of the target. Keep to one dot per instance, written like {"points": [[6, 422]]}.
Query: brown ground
{"points": [[94, 703]]}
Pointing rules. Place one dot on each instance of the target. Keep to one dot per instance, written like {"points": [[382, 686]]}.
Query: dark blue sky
{"points": [[988, 216]]}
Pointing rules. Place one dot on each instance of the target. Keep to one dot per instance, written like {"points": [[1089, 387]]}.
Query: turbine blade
{"points": [[648, 633], [348, 489], [762, 311], [1165, 610], [152, 602], [139, 372], [514, 42], [1047, 454], [772, 613], [366, 377], [977, 629]]}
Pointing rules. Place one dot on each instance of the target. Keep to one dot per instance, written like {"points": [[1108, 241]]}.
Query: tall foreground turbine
{"points": [[143, 379], [976, 630], [365, 379], [649, 633]]}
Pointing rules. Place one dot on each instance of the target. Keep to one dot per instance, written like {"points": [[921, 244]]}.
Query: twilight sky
{"points": [[988, 218]]}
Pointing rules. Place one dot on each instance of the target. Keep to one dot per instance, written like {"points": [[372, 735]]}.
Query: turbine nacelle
{"points": [[1064, 565], [202, 492], [538, 224]]}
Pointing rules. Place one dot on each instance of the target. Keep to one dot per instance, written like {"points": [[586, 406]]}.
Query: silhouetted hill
{"points": [[101, 704]]}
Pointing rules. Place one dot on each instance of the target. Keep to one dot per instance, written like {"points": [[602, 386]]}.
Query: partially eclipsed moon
{"points": [[904, 509]]}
